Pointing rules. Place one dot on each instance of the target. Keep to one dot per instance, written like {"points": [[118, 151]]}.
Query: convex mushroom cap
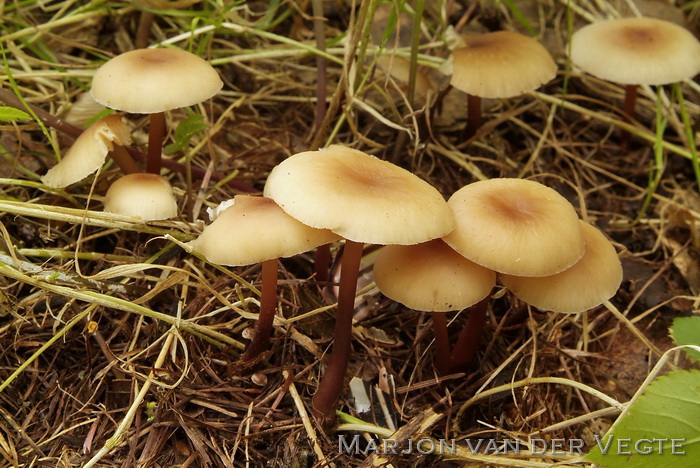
{"points": [[591, 281], [146, 81], [88, 152], [515, 226], [431, 277], [359, 197], [636, 51], [500, 64], [146, 196], [255, 229]]}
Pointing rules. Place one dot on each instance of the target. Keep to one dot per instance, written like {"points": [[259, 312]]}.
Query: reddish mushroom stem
{"points": [[627, 113], [473, 116], [156, 135], [266, 317], [331, 383], [322, 263], [124, 160], [469, 337], [442, 343]]}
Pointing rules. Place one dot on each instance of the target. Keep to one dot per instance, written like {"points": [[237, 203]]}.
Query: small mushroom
{"points": [[152, 81], [515, 226], [432, 277], [146, 196], [499, 64], [256, 230], [636, 51]]}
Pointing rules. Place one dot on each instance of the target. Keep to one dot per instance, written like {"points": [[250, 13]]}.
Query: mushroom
{"points": [[591, 281], [89, 150], [636, 51], [146, 196], [364, 200], [432, 277], [515, 226], [499, 64], [256, 230], [152, 81]]}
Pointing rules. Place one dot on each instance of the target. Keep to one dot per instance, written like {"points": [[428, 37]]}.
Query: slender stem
{"points": [[144, 29], [156, 135], [331, 383], [321, 62], [473, 116], [266, 318], [124, 160], [627, 114], [322, 263], [442, 343], [469, 337]]}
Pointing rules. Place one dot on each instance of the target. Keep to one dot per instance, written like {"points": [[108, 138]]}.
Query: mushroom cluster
{"points": [[142, 81]]}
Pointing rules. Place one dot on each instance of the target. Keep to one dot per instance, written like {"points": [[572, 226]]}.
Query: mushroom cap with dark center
{"points": [[255, 229], [431, 277], [146, 196], [636, 51], [515, 226], [146, 81], [89, 151], [591, 281], [501, 64], [359, 197]]}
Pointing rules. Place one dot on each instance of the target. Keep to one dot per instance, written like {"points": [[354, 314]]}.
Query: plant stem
{"points": [[627, 114], [442, 344], [266, 318], [322, 263], [473, 116], [124, 160], [323, 403], [156, 134], [469, 337]]}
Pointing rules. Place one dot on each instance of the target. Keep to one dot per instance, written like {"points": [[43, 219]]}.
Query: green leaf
{"points": [[686, 331], [185, 131], [10, 114], [660, 429]]}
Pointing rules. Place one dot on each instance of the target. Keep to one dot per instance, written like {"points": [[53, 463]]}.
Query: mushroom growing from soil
{"points": [[636, 51], [499, 64], [255, 230], [588, 283], [152, 81], [515, 226], [365, 200], [89, 151], [432, 277], [145, 196]]}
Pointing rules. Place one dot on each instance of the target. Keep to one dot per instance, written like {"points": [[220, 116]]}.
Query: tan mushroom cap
{"points": [[255, 229], [359, 197], [636, 51], [146, 196], [501, 64], [591, 281], [88, 152], [431, 277], [515, 226], [146, 81]]}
